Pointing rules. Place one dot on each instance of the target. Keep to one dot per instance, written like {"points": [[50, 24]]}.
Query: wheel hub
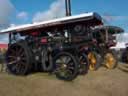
{"points": [[18, 58], [63, 66]]}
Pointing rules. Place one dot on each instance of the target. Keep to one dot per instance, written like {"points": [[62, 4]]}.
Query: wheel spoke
{"points": [[13, 68], [22, 63], [17, 49], [58, 61], [17, 67], [12, 57], [20, 52], [71, 68], [62, 59], [68, 73], [20, 67], [12, 62], [12, 52], [64, 73], [68, 60]]}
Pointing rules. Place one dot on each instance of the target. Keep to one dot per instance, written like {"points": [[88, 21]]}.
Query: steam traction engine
{"points": [[105, 38], [55, 46]]}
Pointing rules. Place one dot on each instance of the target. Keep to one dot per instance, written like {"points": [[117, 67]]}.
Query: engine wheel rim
{"points": [[64, 67], [110, 61], [83, 64], [92, 61], [16, 60]]}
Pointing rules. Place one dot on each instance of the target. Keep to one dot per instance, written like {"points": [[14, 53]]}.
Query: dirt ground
{"points": [[102, 82]]}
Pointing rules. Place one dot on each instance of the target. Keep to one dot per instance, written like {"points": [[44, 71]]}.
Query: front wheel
{"points": [[94, 60], [66, 66], [110, 59]]}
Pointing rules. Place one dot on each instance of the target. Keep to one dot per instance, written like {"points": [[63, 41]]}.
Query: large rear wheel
{"points": [[66, 66], [18, 59]]}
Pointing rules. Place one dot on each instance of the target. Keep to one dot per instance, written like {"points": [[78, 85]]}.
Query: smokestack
{"points": [[68, 7]]}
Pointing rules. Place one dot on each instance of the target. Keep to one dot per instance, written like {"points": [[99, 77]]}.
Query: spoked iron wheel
{"points": [[17, 59], [84, 64], [110, 60], [94, 61], [66, 66]]}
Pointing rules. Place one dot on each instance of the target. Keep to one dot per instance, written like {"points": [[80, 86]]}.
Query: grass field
{"points": [[102, 82]]}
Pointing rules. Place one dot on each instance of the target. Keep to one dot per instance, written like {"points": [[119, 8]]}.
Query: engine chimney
{"points": [[68, 7]]}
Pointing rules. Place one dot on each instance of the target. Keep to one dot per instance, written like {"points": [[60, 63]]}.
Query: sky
{"points": [[18, 12]]}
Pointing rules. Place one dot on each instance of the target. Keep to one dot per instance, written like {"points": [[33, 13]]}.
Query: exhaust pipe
{"points": [[68, 7]]}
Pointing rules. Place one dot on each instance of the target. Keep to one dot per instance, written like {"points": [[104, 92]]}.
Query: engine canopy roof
{"points": [[109, 29], [90, 19]]}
